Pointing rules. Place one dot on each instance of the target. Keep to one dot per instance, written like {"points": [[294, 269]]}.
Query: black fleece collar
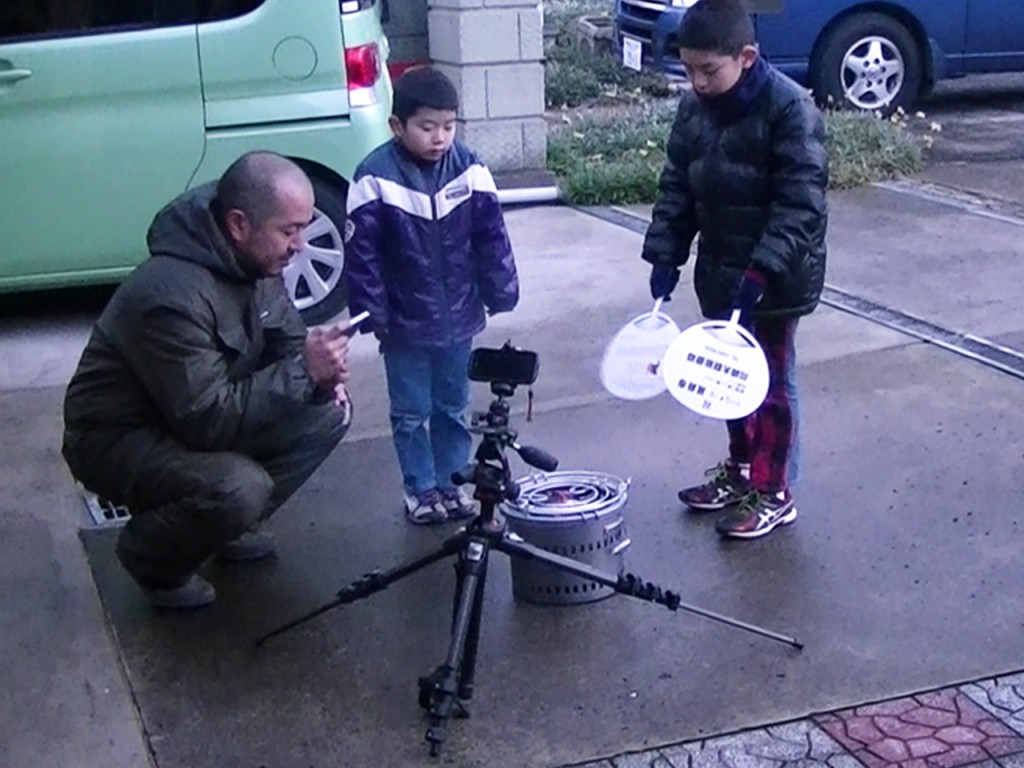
{"points": [[737, 102]]}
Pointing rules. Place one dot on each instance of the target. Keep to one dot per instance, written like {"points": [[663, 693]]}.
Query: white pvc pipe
{"points": [[528, 195]]}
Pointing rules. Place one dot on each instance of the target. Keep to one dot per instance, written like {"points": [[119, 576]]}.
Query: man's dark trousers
{"points": [[185, 505]]}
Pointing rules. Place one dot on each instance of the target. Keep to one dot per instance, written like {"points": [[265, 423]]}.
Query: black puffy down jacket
{"points": [[754, 190]]}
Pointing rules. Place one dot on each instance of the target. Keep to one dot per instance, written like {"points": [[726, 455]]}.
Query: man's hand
{"points": [[326, 356]]}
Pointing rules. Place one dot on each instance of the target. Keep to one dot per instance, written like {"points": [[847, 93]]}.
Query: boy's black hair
{"points": [[423, 88], [720, 26]]}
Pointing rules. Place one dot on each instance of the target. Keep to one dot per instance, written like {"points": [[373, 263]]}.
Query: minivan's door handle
{"points": [[9, 76]]}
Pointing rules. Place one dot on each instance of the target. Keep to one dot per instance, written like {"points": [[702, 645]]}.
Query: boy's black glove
{"points": [[747, 294], [664, 278]]}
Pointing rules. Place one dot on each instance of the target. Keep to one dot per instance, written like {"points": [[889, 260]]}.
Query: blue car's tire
{"points": [[868, 61]]}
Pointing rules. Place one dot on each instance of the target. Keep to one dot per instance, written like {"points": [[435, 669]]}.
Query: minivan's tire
{"points": [[313, 277], [869, 61]]}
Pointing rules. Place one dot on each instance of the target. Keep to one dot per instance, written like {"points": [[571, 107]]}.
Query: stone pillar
{"points": [[493, 51]]}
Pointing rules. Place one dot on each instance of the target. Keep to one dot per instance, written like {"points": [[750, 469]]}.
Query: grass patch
{"points": [[611, 160], [616, 160], [863, 148]]}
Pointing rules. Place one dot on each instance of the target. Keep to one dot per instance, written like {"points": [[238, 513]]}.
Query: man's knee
{"points": [[237, 493], [336, 423], [322, 425], [325, 431]]}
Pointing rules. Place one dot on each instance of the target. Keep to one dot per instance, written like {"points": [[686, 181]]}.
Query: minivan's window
{"points": [[54, 18]]}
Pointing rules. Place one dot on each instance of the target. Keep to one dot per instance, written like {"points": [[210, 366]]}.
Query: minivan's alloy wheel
{"points": [[867, 61], [313, 277], [873, 71]]}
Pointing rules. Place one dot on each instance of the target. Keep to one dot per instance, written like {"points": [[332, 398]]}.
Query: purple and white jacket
{"points": [[426, 250]]}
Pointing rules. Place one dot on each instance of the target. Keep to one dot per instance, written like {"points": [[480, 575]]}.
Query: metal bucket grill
{"points": [[574, 514]]}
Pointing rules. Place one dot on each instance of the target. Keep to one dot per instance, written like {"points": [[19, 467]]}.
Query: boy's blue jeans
{"points": [[429, 390]]}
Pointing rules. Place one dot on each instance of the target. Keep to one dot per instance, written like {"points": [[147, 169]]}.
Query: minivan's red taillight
{"points": [[362, 64]]}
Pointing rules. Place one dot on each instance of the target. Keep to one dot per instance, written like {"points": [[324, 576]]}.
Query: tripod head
{"points": [[504, 369]]}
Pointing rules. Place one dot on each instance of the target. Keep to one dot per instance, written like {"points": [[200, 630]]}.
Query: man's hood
{"points": [[185, 229]]}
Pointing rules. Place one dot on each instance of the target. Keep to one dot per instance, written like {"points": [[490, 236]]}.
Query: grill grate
{"points": [[103, 512], [560, 495]]}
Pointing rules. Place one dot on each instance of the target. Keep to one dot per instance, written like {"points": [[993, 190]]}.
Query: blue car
{"points": [[869, 55]]}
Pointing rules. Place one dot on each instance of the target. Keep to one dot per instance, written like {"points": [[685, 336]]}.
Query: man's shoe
{"points": [[251, 545], [457, 504], [194, 593], [758, 515], [425, 508], [727, 486]]}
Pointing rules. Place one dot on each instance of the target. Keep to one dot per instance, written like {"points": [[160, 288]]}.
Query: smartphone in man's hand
{"points": [[348, 329]]}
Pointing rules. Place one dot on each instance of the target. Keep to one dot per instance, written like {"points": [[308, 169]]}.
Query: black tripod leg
{"points": [[440, 689], [374, 582], [629, 584], [468, 672]]}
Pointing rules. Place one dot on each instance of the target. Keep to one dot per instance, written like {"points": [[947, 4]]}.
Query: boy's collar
{"points": [[737, 102]]}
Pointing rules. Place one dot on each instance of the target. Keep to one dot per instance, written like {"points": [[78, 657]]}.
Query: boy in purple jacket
{"points": [[428, 256]]}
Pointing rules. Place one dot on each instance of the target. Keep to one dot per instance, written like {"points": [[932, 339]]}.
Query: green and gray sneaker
{"points": [[729, 484], [758, 515]]}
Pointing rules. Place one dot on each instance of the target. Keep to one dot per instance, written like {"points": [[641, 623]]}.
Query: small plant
{"points": [[865, 147]]}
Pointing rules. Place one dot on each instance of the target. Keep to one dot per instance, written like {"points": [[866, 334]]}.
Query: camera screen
{"points": [[507, 365]]}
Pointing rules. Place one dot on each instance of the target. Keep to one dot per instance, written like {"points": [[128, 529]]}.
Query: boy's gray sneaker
{"points": [[194, 593], [425, 508], [458, 504], [251, 545]]}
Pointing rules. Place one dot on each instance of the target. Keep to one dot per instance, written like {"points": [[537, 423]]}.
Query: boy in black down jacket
{"points": [[747, 171]]}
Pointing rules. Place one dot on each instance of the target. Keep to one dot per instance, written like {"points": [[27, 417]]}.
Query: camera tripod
{"points": [[444, 692]]}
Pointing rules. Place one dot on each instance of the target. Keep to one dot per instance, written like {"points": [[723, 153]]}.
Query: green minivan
{"points": [[111, 108]]}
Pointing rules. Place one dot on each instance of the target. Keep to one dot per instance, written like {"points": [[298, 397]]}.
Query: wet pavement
{"points": [[853, 579]]}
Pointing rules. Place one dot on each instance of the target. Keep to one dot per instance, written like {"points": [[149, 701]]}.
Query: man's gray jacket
{"points": [[189, 346]]}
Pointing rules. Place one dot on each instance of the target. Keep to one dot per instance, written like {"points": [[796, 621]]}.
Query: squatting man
{"points": [[201, 402]]}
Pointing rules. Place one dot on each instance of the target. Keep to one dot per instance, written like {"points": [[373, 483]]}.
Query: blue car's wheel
{"points": [[868, 61]]}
